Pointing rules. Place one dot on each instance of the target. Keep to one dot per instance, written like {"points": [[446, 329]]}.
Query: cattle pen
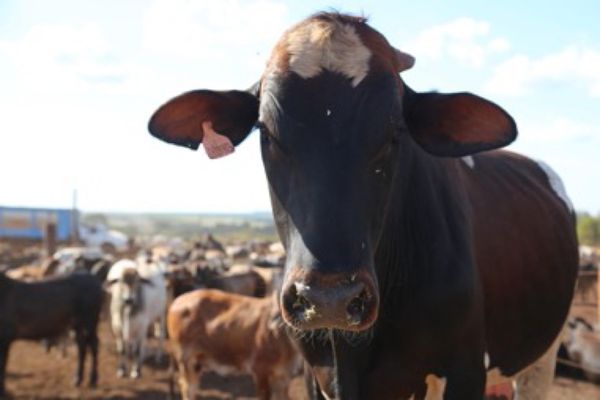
{"points": [[34, 373]]}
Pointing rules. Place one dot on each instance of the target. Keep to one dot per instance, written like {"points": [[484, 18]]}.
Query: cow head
{"points": [[337, 124], [126, 290]]}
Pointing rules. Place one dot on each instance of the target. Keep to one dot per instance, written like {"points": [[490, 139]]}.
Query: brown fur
{"points": [[213, 328]]}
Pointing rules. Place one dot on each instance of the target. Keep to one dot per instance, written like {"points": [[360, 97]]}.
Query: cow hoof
{"points": [[121, 372], [135, 374]]}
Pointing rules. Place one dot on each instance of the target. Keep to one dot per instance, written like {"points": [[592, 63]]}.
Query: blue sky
{"points": [[80, 79]]}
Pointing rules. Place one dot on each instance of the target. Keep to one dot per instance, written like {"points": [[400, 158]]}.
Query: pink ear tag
{"points": [[215, 144]]}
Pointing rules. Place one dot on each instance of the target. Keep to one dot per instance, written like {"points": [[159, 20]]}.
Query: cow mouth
{"points": [[322, 335]]}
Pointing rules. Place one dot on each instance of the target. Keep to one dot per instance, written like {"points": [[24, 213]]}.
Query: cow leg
{"points": [[159, 333], [4, 349], [189, 377], [63, 343], [535, 381], [263, 390], [279, 383], [121, 351], [138, 358], [81, 352], [93, 344]]}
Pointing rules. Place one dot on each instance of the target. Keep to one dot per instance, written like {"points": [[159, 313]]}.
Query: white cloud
{"points": [[574, 64], [64, 57], [212, 29], [560, 129], [465, 40]]}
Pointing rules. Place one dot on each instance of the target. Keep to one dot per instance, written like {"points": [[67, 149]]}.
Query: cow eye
{"points": [[265, 136], [268, 141]]}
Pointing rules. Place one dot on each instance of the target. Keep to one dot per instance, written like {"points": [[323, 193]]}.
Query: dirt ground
{"points": [[34, 374]]}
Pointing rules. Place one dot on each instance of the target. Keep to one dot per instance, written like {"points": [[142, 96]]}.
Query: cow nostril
{"points": [[298, 305], [301, 303], [357, 308]]}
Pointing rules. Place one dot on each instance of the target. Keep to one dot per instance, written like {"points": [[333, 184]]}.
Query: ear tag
{"points": [[215, 144]]}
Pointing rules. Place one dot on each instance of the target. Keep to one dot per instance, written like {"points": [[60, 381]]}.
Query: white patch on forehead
{"points": [[330, 45], [556, 183], [469, 160]]}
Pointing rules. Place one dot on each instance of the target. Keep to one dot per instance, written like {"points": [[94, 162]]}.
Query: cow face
{"points": [[337, 124], [127, 291]]}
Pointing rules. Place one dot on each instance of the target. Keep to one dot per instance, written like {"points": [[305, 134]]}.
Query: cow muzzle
{"points": [[347, 301]]}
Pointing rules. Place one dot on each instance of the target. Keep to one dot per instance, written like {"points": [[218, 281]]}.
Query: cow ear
{"points": [[457, 124], [220, 120]]}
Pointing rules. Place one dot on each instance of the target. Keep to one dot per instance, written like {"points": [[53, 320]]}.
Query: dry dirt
{"points": [[34, 374]]}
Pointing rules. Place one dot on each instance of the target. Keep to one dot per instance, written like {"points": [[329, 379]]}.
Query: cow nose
{"points": [[346, 301], [128, 301]]}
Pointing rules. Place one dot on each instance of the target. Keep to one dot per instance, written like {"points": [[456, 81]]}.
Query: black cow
{"points": [[410, 272], [48, 309]]}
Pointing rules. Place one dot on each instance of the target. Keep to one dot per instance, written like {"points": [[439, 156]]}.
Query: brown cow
{"points": [[227, 332], [240, 279], [33, 272]]}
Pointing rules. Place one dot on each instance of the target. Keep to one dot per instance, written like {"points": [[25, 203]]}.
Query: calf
{"points": [[138, 300], [47, 309], [230, 333], [583, 347]]}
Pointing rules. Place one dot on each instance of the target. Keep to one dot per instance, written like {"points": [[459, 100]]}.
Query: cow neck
{"points": [[425, 238]]}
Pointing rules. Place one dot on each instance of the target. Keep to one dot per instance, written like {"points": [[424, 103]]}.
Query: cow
{"points": [[587, 282], [33, 272], [240, 279], [48, 309], [583, 346], [138, 302], [230, 333], [428, 261]]}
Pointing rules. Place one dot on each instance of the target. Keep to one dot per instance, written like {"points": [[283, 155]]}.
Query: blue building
{"points": [[28, 223]]}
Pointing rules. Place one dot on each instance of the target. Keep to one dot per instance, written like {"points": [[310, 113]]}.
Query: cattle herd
{"points": [[214, 303], [215, 306], [421, 261]]}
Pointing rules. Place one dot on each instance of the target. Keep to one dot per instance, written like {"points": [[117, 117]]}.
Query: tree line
{"points": [[588, 229]]}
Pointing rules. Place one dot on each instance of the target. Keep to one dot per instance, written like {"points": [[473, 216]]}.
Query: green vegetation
{"points": [[248, 226], [588, 229], [190, 226]]}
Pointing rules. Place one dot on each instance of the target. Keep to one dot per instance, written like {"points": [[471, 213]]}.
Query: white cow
{"points": [[138, 301], [583, 346]]}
